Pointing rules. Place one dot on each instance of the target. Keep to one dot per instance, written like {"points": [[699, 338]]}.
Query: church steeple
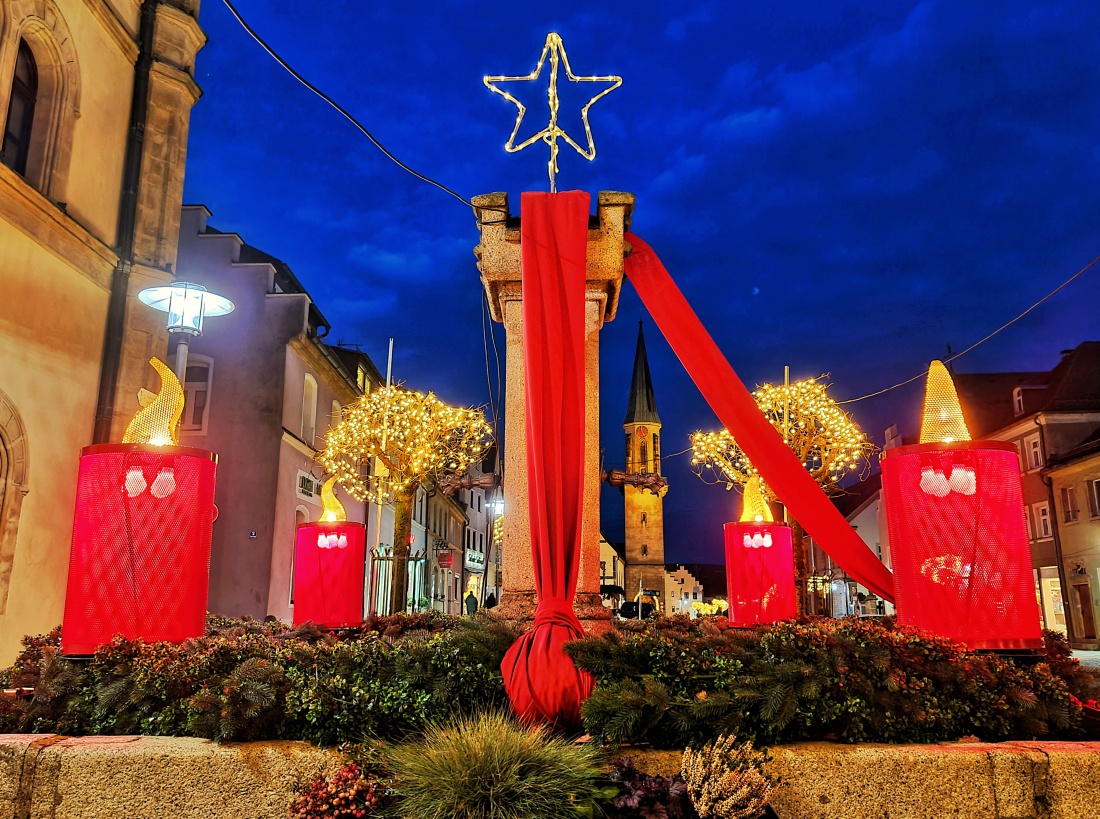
{"points": [[641, 408], [644, 510]]}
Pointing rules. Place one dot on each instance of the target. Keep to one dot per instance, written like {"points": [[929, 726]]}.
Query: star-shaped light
{"points": [[555, 49]]}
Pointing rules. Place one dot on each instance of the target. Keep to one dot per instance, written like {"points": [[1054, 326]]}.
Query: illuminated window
{"points": [[1069, 504], [18, 126], [1018, 401], [196, 393], [361, 379], [309, 409], [1042, 521]]}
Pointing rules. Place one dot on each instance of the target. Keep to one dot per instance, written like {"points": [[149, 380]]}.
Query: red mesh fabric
{"points": [[959, 543], [735, 407], [140, 559], [542, 683], [328, 581], [760, 577]]}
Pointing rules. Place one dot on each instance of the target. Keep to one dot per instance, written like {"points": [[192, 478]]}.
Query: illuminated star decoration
{"points": [[556, 50]]}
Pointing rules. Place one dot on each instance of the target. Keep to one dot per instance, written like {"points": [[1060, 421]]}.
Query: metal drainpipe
{"points": [[1049, 483], [127, 220]]}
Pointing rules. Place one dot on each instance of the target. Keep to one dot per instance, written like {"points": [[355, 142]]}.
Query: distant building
{"points": [[262, 390], [1047, 415], [91, 180], [681, 590], [612, 573], [644, 510]]}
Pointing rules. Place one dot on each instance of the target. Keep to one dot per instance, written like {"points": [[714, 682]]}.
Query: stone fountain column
{"points": [[498, 256]]}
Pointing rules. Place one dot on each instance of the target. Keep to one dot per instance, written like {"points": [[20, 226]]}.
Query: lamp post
{"points": [[186, 304]]}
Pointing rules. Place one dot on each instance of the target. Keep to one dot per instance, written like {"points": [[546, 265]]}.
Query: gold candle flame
{"points": [[333, 509], [942, 421], [755, 509], [158, 419]]}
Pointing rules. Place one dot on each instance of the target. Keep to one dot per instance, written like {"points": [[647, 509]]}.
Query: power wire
{"points": [[1004, 326], [362, 128]]}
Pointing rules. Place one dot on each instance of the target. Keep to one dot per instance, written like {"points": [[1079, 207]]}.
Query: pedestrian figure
{"points": [[471, 602], [490, 600]]}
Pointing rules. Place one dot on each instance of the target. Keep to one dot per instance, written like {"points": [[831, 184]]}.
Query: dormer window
{"points": [[1018, 401]]}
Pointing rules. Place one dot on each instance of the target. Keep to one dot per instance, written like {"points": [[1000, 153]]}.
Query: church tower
{"points": [[645, 518]]}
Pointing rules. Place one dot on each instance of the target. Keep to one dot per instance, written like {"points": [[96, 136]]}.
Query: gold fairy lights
{"points": [[555, 50], [820, 433], [411, 435], [157, 422]]}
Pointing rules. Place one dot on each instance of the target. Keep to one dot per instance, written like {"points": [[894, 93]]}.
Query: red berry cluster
{"points": [[348, 795]]}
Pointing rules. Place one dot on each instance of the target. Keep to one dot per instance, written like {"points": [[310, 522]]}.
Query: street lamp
{"points": [[186, 304]]}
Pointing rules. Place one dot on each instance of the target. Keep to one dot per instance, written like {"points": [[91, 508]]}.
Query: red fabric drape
{"points": [[540, 678], [737, 410]]}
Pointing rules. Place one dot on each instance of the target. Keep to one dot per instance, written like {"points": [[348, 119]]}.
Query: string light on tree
{"points": [[822, 435], [825, 438], [392, 440]]}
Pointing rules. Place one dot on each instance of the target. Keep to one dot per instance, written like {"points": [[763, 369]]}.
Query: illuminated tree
{"points": [[407, 437], [817, 430]]}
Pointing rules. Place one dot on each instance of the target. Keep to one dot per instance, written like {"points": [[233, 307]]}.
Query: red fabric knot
{"points": [[552, 612]]}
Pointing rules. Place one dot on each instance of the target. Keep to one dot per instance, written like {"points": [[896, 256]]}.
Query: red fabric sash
{"points": [[737, 410], [540, 678]]}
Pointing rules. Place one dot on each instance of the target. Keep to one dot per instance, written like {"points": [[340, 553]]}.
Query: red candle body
{"points": [[139, 564], [959, 542], [760, 577], [328, 574]]}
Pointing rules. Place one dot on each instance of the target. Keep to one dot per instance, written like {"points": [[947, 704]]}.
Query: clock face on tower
{"points": [[642, 432]]}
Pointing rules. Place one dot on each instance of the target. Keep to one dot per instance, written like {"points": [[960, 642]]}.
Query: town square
{"points": [[450, 411]]}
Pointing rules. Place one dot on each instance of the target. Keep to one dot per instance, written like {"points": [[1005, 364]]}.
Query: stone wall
{"points": [[51, 777]]}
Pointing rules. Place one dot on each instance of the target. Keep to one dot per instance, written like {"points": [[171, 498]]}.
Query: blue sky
{"points": [[844, 187]]}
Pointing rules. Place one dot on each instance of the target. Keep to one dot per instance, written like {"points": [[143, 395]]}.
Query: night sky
{"points": [[844, 187]]}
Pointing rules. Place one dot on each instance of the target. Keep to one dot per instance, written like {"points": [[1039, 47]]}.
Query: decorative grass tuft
{"points": [[491, 767]]}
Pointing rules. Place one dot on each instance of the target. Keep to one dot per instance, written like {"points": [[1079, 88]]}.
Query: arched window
{"points": [[309, 409], [656, 453], [1018, 401], [13, 488], [301, 515], [18, 125]]}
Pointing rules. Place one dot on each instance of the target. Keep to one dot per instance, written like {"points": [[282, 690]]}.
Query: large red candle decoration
{"points": [[759, 565], [955, 512], [139, 564], [329, 567]]}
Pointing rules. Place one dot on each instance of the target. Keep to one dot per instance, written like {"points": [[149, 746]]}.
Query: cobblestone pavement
{"points": [[1088, 657]]}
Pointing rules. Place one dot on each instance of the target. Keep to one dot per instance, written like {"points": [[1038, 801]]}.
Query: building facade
{"points": [[96, 99], [1075, 481], [681, 590], [262, 389], [1045, 414]]}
